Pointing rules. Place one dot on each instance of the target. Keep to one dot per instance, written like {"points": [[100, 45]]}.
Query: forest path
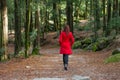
{"points": [[49, 66]]}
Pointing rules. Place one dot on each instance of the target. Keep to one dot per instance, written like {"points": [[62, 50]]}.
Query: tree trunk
{"points": [[55, 18], [17, 26], [91, 12], [86, 9], [46, 20], [104, 17], [116, 15], [96, 18], [69, 13], [27, 27], [36, 47], [4, 28], [107, 33], [119, 8], [59, 9]]}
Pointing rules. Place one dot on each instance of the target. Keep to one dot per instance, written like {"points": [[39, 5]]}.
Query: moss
{"points": [[117, 51], [113, 58]]}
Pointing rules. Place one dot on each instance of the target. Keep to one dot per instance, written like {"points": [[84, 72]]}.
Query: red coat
{"points": [[66, 42]]}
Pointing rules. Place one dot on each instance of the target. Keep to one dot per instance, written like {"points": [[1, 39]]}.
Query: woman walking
{"points": [[66, 41]]}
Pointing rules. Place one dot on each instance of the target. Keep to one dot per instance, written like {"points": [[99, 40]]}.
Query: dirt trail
{"points": [[49, 65]]}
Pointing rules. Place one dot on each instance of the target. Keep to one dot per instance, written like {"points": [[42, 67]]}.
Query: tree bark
{"points": [[86, 9], [55, 18], [104, 17], [17, 27], [96, 18], [36, 45], [4, 27], [69, 13], [27, 27], [59, 9], [108, 18]]}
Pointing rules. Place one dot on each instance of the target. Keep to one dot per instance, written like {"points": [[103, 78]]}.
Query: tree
{"points": [[69, 13], [107, 33], [4, 28], [17, 26], [96, 17], [27, 26], [104, 16], [116, 15], [36, 45], [55, 14], [59, 10], [86, 9], [119, 7]]}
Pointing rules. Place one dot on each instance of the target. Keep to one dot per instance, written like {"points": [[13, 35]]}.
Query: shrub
{"points": [[76, 45]]}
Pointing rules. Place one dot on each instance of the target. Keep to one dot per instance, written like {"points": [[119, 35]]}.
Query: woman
{"points": [[66, 41]]}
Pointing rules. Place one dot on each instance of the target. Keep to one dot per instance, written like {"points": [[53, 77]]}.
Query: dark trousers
{"points": [[65, 59]]}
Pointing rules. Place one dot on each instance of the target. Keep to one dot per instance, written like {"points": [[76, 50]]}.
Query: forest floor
{"points": [[48, 65]]}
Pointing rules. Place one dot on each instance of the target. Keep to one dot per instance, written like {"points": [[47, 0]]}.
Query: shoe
{"points": [[65, 68]]}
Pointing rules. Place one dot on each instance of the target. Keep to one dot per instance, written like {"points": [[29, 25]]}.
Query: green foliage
{"points": [[35, 51], [87, 41], [95, 46], [33, 35], [88, 25], [88, 44], [21, 53], [76, 45], [2, 50], [117, 51], [113, 58], [114, 22], [100, 44], [77, 26]]}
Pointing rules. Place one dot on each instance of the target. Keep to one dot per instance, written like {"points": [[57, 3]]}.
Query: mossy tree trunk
{"points": [[3, 29], [27, 27]]}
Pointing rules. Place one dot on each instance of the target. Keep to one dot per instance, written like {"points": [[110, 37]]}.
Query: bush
{"points": [[99, 44], [86, 42], [76, 45]]}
